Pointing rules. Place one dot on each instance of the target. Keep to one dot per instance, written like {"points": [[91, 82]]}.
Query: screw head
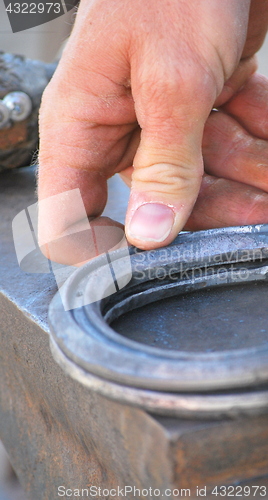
{"points": [[19, 105]]}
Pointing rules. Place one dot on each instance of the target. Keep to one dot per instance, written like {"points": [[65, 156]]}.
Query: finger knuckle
{"points": [[171, 179]]}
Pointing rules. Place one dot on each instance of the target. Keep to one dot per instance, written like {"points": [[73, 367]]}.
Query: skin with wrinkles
{"points": [[133, 93]]}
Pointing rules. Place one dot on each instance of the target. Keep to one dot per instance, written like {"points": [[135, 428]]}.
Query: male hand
{"points": [[135, 86]]}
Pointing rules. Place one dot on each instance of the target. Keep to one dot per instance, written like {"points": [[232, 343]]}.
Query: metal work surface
{"points": [[30, 293], [59, 432]]}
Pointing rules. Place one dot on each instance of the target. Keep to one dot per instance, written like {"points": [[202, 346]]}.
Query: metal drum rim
{"points": [[164, 379], [182, 405]]}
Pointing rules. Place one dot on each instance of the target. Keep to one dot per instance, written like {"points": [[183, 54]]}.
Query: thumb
{"points": [[168, 165]]}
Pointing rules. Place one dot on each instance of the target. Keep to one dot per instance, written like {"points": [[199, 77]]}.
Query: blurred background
{"points": [[45, 42], [42, 42]]}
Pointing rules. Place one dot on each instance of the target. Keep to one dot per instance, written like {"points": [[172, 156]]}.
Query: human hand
{"points": [[136, 84], [235, 149], [234, 188]]}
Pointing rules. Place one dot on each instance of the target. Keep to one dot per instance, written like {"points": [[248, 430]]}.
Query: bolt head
{"points": [[19, 105]]}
